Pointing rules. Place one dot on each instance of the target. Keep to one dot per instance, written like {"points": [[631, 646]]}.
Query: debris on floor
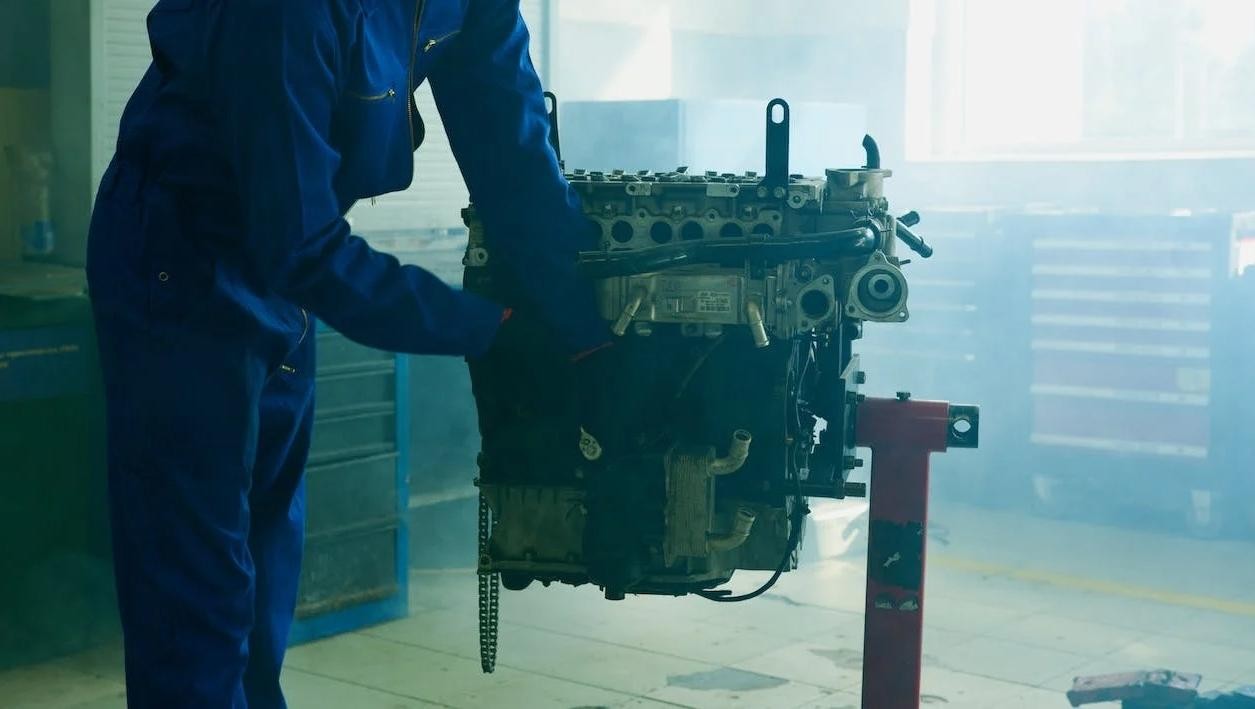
{"points": [[1240, 698], [1156, 689]]}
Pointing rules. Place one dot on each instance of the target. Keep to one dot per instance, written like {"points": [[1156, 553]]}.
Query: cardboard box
{"points": [[25, 119]]}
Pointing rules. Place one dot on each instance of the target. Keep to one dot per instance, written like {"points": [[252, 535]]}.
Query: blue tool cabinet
{"points": [[354, 573], [1125, 321]]}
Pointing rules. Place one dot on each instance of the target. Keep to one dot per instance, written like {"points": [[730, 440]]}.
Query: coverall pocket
{"points": [[442, 23], [374, 137]]}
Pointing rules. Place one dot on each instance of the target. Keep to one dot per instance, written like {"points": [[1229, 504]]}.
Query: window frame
{"points": [[936, 104]]}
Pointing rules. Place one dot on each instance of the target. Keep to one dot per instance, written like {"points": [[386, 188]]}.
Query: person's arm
{"points": [[493, 109], [275, 88]]}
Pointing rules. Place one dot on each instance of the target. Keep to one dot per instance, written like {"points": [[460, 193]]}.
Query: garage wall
{"points": [[24, 36], [711, 50]]}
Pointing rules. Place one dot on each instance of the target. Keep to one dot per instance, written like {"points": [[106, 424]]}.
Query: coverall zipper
{"points": [[390, 93], [409, 80], [431, 43]]}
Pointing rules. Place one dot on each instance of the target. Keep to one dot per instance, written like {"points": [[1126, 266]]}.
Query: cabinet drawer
{"points": [[368, 432], [336, 352], [340, 495], [343, 392], [347, 569]]}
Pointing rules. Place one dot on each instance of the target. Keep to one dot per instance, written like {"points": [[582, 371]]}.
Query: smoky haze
{"points": [[1084, 170]]}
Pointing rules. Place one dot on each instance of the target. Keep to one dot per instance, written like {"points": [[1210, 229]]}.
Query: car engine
{"points": [[736, 300]]}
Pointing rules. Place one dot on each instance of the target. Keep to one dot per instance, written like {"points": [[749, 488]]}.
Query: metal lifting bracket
{"points": [[776, 180]]}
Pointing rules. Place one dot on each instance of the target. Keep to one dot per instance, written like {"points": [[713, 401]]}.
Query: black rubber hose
{"points": [[798, 518], [873, 153]]}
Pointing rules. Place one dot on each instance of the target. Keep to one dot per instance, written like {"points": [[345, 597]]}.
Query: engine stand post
{"points": [[902, 434]]}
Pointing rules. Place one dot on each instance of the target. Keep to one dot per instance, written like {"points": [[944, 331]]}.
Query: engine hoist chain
{"points": [[489, 591]]}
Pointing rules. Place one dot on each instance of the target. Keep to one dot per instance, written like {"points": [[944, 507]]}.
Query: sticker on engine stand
{"points": [[898, 551]]}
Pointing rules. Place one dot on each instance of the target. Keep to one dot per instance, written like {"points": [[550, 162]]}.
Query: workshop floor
{"points": [[1015, 608]]}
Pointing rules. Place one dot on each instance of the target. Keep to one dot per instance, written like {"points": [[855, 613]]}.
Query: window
{"points": [[1093, 78]]}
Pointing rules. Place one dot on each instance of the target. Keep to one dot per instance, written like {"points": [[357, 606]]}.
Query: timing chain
{"points": [[489, 591]]}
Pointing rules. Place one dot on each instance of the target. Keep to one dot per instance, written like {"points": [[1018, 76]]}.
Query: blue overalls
{"points": [[219, 235]]}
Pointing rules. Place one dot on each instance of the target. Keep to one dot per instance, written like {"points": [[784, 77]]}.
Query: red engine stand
{"points": [[902, 434]]}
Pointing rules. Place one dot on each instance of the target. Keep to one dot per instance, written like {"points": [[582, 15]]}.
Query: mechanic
{"points": [[219, 236]]}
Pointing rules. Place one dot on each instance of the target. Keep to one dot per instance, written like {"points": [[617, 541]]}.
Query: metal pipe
{"points": [[603, 264], [629, 312], [738, 452], [912, 240], [758, 328], [742, 524]]}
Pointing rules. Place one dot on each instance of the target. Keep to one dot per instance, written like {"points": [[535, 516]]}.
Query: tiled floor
{"points": [[1015, 608]]}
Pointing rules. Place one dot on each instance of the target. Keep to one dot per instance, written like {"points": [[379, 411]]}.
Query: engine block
{"points": [[736, 299]]}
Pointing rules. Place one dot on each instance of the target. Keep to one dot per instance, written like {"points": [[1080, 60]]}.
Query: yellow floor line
{"points": [[1111, 588]]}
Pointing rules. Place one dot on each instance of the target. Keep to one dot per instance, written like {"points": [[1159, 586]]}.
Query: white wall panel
{"points": [[120, 56]]}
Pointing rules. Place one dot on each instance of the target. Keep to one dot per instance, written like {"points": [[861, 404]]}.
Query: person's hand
{"points": [[522, 342], [524, 365], [513, 381]]}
